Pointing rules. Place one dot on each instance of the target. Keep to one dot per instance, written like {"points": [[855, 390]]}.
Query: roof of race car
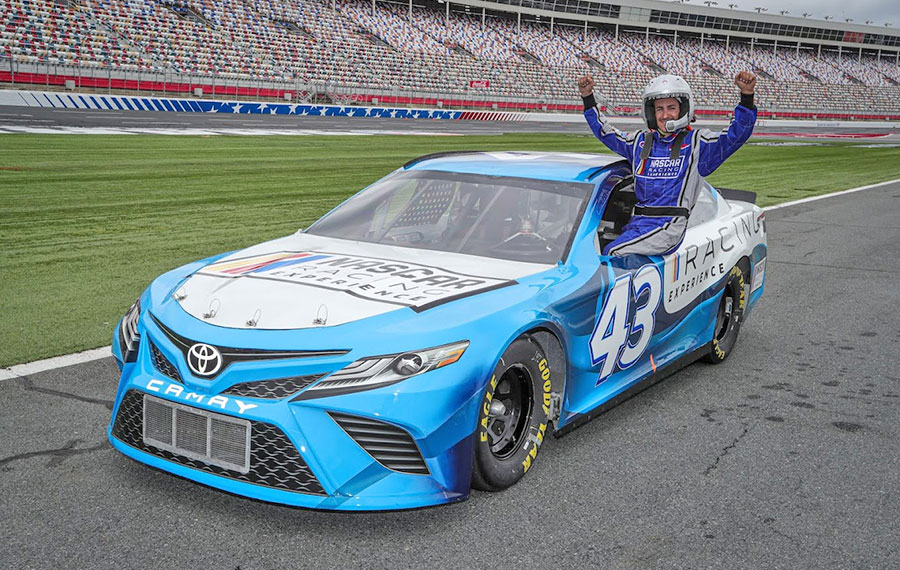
{"points": [[567, 166]]}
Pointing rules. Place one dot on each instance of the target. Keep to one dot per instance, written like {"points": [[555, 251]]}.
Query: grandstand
{"points": [[515, 54]]}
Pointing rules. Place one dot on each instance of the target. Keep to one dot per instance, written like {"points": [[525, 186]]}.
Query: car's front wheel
{"points": [[729, 316], [513, 418]]}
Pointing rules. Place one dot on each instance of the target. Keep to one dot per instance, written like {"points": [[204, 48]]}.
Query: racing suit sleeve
{"points": [[614, 139], [716, 147]]}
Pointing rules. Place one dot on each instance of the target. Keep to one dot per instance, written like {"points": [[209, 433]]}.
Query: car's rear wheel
{"points": [[512, 420], [729, 316]]}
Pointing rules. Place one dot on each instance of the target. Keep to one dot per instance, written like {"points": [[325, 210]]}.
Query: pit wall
{"points": [[94, 101]]}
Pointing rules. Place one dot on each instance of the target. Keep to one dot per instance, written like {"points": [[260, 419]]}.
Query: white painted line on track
{"points": [[823, 196], [104, 351], [224, 130], [20, 370]]}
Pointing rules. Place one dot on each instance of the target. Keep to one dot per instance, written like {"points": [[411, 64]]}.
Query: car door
{"points": [[613, 317], [625, 343], [659, 308], [631, 336]]}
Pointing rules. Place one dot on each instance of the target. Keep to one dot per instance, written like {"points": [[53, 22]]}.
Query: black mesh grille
{"points": [[390, 445], [274, 461], [163, 364], [272, 389]]}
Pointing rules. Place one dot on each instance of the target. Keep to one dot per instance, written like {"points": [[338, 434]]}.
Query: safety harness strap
{"points": [[648, 145], [661, 211], [676, 144]]}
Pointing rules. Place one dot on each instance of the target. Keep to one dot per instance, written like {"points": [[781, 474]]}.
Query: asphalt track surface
{"points": [[47, 118], [785, 456]]}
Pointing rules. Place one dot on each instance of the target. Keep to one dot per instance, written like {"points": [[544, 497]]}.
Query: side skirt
{"points": [[637, 388]]}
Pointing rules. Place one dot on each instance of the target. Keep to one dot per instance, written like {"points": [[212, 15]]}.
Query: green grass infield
{"points": [[86, 222]]}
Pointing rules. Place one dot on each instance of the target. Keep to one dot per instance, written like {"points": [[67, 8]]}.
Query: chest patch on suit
{"points": [[660, 167]]}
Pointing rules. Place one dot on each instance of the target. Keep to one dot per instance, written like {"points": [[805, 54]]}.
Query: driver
{"points": [[670, 160]]}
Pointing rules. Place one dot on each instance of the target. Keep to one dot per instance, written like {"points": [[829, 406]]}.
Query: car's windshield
{"points": [[520, 219]]}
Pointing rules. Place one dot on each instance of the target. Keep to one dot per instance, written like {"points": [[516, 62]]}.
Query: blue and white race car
{"points": [[426, 335]]}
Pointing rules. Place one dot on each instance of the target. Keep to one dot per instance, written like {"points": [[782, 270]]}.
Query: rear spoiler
{"points": [[741, 195]]}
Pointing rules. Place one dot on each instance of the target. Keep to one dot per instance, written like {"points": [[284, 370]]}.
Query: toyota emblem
{"points": [[204, 360]]}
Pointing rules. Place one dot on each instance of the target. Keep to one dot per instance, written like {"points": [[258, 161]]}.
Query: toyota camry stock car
{"points": [[427, 334]]}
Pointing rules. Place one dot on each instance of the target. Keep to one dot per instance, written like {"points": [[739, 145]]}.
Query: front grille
{"points": [[272, 389], [230, 355], [390, 445], [274, 461], [212, 438], [163, 364]]}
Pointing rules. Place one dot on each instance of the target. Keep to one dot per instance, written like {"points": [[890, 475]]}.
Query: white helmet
{"points": [[663, 87]]}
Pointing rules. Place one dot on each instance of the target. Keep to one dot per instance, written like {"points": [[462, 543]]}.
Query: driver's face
{"points": [[666, 110]]}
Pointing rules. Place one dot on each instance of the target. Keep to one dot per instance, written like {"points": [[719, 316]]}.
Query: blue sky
{"points": [[879, 11]]}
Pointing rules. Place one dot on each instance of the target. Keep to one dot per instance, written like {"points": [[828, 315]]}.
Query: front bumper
{"points": [[308, 459], [401, 446]]}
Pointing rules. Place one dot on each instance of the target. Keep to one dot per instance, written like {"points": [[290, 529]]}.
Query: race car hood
{"points": [[303, 281]]}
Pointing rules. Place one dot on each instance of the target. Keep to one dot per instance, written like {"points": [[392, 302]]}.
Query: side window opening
{"points": [[618, 211], [705, 208]]}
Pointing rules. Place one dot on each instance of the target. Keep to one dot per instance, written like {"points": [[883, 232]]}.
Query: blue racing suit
{"points": [[667, 181]]}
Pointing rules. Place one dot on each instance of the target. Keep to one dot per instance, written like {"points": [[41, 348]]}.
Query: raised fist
{"points": [[746, 82], [586, 85]]}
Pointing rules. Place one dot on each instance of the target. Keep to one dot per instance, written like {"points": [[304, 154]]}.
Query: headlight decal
{"points": [[378, 371], [452, 356]]}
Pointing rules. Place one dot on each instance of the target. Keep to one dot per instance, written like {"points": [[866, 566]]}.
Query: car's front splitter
{"points": [[383, 490]]}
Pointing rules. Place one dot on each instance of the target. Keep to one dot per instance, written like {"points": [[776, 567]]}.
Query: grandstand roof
{"points": [[672, 16]]}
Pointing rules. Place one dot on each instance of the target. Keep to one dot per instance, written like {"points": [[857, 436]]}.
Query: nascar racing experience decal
{"points": [[384, 280], [701, 261]]}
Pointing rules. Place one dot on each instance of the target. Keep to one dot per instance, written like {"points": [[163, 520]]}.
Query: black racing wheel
{"points": [[513, 419], [729, 317]]}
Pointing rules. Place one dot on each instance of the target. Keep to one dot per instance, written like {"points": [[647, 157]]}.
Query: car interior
{"points": [[622, 200], [618, 211]]}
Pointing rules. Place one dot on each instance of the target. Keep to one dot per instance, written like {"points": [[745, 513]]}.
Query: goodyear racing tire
{"points": [[513, 416], [729, 317]]}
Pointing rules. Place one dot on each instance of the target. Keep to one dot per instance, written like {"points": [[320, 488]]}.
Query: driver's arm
{"points": [[617, 141], [716, 147]]}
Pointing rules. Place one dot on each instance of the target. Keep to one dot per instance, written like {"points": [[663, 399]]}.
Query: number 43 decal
{"points": [[611, 341]]}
